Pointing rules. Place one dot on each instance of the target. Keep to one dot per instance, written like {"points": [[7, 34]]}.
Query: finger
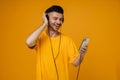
{"points": [[83, 50], [84, 47]]}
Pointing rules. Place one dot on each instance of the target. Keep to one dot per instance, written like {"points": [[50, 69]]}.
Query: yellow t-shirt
{"points": [[45, 64]]}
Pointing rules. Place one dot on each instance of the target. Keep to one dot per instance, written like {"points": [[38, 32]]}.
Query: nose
{"points": [[59, 21]]}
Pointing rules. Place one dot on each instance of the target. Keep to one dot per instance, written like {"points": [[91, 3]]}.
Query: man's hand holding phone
{"points": [[84, 46]]}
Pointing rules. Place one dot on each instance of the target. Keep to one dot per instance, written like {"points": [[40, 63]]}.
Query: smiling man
{"points": [[54, 50]]}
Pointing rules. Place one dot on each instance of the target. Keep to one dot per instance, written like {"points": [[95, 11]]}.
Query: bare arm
{"points": [[79, 59], [32, 38]]}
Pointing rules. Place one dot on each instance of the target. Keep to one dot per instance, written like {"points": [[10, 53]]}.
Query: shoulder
{"points": [[66, 38], [43, 35]]}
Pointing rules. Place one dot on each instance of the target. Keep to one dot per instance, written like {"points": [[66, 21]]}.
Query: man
{"points": [[54, 50]]}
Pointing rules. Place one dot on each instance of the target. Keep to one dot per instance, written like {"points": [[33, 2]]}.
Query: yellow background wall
{"points": [[97, 19]]}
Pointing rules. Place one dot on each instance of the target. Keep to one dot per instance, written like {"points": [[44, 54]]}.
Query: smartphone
{"points": [[85, 42]]}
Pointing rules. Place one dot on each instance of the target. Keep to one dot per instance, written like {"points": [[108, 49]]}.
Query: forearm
{"points": [[32, 38], [81, 58], [78, 60]]}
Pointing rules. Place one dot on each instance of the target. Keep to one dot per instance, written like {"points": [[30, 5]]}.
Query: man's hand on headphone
{"points": [[45, 20]]}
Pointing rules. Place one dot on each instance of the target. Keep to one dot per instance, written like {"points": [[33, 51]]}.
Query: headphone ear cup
{"points": [[47, 17], [63, 20]]}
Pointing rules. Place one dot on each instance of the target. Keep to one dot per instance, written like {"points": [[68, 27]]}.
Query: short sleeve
{"points": [[39, 40], [72, 51], [37, 44]]}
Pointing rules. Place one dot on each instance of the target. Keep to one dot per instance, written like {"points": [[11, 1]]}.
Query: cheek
{"points": [[51, 22]]}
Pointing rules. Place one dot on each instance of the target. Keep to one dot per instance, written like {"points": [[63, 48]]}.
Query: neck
{"points": [[52, 33]]}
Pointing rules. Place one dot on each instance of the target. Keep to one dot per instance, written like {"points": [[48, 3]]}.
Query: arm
{"points": [[32, 38], [79, 59]]}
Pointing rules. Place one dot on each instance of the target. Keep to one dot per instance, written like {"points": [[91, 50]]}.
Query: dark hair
{"points": [[55, 8]]}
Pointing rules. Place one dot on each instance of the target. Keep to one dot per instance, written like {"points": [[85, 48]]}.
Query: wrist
{"points": [[82, 54]]}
